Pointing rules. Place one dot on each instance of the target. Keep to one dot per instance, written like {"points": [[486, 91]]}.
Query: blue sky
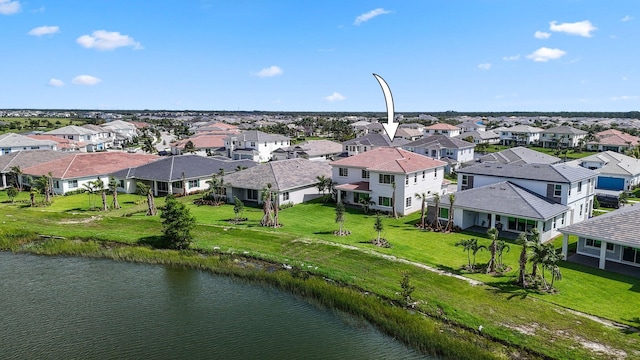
{"points": [[313, 55]]}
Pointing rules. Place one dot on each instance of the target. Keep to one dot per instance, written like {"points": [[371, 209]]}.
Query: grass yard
{"points": [[21, 125], [525, 318]]}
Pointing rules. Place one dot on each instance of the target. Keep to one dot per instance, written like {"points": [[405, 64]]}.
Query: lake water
{"points": [[75, 308]]}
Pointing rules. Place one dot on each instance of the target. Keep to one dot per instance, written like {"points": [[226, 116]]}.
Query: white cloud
{"points": [[370, 15], [541, 35], [107, 40], [511, 58], [625, 98], [580, 28], [44, 30], [336, 96], [485, 66], [626, 18], [270, 71], [8, 7], [85, 80], [56, 82], [545, 54]]}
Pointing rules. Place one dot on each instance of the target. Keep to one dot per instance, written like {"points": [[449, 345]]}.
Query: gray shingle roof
{"points": [[71, 129], [508, 199], [523, 129], [564, 130], [614, 163], [259, 136], [375, 140], [283, 175], [558, 173], [482, 135], [442, 141], [171, 168], [518, 156], [620, 226], [17, 140]]}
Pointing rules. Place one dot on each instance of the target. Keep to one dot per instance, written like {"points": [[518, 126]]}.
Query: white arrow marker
{"points": [[390, 127]]}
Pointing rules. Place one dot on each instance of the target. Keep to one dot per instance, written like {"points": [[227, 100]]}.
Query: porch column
{"points": [[565, 246], [4, 180], [492, 223], [603, 255], [540, 227], [155, 188], [339, 196]]}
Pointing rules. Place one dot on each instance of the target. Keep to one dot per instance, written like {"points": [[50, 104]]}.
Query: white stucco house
{"points": [[254, 145], [374, 173], [520, 135]]}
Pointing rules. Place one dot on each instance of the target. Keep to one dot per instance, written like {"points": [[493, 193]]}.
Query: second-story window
{"points": [[343, 171], [365, 174], [580, 186], [385, 179], [557, 190], [465, 180]]}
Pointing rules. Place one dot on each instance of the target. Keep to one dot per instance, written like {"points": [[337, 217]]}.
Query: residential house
{"points": [[175, 174], [468, 126], [518, 156], [293, 180], [616, 171], [91, 139], [520, 135], [562, 137], [451, 150], [369, 142], [74, 171], [121, 131], [61, 144], [408, 134], [413, 126], [442, 129], [613, 140], [559, 183], [24, 159], [504, 205], [481, 137], [103, 134], [612, 237], [205, 145], [254, 145], [12, 142], [314, 150], [387, 173]]}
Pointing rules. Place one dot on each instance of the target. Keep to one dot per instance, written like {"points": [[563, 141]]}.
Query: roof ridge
{"points": [[69, 166], [171, 169], [274, 174]]}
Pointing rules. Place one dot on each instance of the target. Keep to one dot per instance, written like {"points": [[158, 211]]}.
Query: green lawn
{"points": [[21, 125], [306, 239], [571, 154]]}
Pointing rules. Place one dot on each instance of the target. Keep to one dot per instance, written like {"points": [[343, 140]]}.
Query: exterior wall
{"points": [[449, 133], [615, 255], [507, 137], [569, 140], [300, 195], [12, 149], [65, 185]]}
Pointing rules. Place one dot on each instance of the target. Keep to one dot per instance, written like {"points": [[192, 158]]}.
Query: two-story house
{"points": [[314, 150], [254, 145], [386, 175], [451, 150], [481, 136], [12, 142], [442, 129], [86, 139], [616, 171], [516, 198], [121, 131], [369, 142], [520, 135], [613, 140], [563, 137]]}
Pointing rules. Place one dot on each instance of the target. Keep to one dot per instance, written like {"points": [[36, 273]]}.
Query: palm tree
{"points": [[17, 172], [322, 183], [452, 199], [522, 261], [151, 204], [113, 187], [466, 246], [147, 145], [98, 185], [340, 216], [436, 222], [366, 202], [41, 185], [88, 187], [423, 199], [267, 207], [475, 248], [501, 247], [493, 248]]}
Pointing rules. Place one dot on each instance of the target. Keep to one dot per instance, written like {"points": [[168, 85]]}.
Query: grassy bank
{"points": [[536, 322]]}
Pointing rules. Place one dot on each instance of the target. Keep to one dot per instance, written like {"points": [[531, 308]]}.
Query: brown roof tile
{"points": [[388, 159], [89, 164]]}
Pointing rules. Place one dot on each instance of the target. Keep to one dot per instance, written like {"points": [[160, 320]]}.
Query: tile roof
{"points": [[519, 156], [620, 226], [25, 159], [283, 175], [60, 142], [259, 136], [558, 173], [482, 135], [441, 126], [522, 129], [71, 129], [613, 163], [314, 148], [616, 137], [192, 166], [389, 159], [202, 141], [89, 164], [355, 186], [564, 130], [441, 141], [508, 199]]}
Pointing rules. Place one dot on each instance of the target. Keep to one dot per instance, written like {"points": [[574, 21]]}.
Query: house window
{"points": [[435, 173], [343, 171], [557, 190], [444, 213], [285, 196], [423, 173], [415, 178], [580, 186], [164, 186], [56, 184], [465, 180], [630, 254], [72, 184], [175, 184], [384, 201], [252, 194], [407, 202], [121, 184], [406, 180], [194, 183], [386, 178], [253, 144], [597, 244], [365, 174], [581, 205]]}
